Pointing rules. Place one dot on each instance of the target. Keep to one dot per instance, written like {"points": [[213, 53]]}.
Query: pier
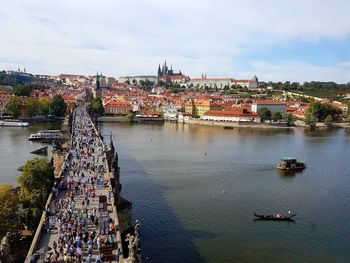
{"points": [[86, 219]]}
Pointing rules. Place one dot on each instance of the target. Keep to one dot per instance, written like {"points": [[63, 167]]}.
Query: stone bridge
{"points": [[86, 218]]}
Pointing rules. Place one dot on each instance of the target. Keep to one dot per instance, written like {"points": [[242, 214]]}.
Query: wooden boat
{"points": [[288, 163], [276, 217], [41, 151]]}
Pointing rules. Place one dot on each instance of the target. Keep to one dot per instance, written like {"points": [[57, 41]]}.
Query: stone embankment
{"points": [[237, 124]]}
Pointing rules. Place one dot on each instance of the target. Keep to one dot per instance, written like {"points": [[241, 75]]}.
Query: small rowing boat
{"points": [[276, 217]]}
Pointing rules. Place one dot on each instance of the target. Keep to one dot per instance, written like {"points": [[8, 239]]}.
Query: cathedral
{"points": [[166, 74]]}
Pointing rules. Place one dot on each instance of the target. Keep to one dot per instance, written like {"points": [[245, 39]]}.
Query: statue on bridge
{"points": [[5, 249], [134, 244]]}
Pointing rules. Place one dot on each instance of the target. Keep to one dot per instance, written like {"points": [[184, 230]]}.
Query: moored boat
{"points": [[148, 119], [276, 217], [13, 123], [288, 163], [45, 135]]}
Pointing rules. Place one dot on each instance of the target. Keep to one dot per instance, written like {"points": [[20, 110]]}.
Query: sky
{"points": [[276, 40]]}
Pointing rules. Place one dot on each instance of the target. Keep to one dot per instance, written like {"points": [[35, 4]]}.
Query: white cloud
{"points": [[120, 37], [300, 71]]}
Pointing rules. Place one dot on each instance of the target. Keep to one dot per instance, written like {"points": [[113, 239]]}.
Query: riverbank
{"points": [[237, 124], [113, 119]]}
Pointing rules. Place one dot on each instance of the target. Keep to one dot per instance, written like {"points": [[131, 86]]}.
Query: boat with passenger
{"points": [[45, 135], [142, 118], [13, 123], [288, 163], [276, 217]]}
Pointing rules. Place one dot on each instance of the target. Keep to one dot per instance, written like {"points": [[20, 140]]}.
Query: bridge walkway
{"points": [[80, 224]]}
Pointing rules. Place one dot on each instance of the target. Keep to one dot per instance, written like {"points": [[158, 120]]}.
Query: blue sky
{"points": [[276, 40]]}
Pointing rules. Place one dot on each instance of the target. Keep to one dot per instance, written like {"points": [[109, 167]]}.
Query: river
{"points": [[195, 189], [15, 149]]}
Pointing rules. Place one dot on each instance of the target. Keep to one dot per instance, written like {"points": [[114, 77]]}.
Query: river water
{"points": [[195, 189], [15, 149]]}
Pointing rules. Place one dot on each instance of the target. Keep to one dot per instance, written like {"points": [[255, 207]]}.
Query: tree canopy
{"points": [[58, 107], [21, 90], [276, 116], [289, 118], [328, 121], [265, 114], [310, 120], [97, 106], [8, 208], [322, 110], [35, 182], [14, 107]]}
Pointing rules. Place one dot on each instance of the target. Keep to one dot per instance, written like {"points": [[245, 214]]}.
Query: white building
{"points": [[272, 105], [242, 115], [221, 83], [137, 79]]}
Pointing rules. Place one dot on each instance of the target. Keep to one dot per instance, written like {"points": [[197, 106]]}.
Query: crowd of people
{"points": [[75, 213]]}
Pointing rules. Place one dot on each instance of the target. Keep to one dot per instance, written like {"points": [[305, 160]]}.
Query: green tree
{"points": [[33, 106], [30, 217], [45, 105], [328, 121], [35, 182], [58, 107], [21, 90], [286, 85], [289, 118], [8, 208], [130, 116], [14, 107], [97, 106], [310, 120], [265, 114], [322, 110], [276, 116]]}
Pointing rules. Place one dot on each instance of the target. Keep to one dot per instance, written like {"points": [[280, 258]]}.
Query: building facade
{"points": [[221, 83], [241, 115], [272, 105], [117, 107], [138, 79]]}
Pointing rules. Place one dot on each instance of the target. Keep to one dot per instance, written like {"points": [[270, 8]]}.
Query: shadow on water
{"points": [[290, 221], [163, 237], [289, 174]]}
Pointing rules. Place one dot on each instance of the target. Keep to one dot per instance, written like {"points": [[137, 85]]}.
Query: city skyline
{"points": [[276, 41]]}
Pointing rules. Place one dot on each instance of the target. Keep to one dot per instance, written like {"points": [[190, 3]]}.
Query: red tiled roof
{"points": [[229, 79], [231, 113], [270, 102], [117, 103]]}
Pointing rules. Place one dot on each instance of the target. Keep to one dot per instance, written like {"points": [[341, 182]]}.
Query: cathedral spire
{"points": [[159, 71]]}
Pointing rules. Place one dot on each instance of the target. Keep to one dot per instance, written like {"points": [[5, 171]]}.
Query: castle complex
{"points": [[169, 75]]}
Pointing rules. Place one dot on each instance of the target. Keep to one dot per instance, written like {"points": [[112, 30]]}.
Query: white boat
{"points": [[13, 123], [45, 135]]}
